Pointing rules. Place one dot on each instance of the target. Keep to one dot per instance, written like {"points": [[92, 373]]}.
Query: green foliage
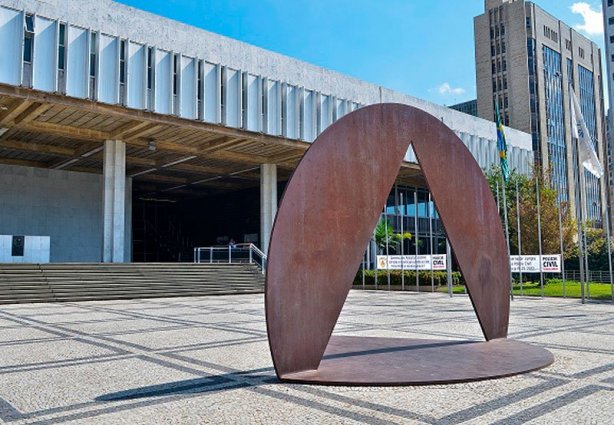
{"points": [[549, 213], [597, 244], [554, 288], [424, 277], [456, 289], [383, 228]]}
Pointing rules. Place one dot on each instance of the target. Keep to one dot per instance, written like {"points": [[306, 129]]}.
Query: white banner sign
{"points": [[411, 262], [530, 263]]}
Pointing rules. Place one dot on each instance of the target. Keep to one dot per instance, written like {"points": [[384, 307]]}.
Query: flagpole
{"points": [[387, 252], [498, 201], [539, 235], [587, 158], [364, 257], [519, 237], [416, 240], [376, 254], [584, 252], [607, 226], [587, 270], [502, 150], [579, 212], [431, 242], [507, 232], [562, 251], [449, 265], [402, 245]]}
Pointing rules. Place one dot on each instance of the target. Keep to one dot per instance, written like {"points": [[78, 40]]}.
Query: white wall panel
{"points": [[254, 103], [488, 153], [482, 151], [11, 39], [291, 113], [466, 138], [309, 116], [35, 249], [137, 75], [163, 92], [519, 161], [212, 92], [108, 77], [493, 153], [45, 54], [342, 107], [232, 99], [527, 161], [474, 144], [469, 141], [188, 88], [476, 147], [77, 67], [273, 107], [326, 112]]}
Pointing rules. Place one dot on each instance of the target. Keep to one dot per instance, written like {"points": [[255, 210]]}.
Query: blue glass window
{"points": [[586, 97], [555, 122], [535, 129]]}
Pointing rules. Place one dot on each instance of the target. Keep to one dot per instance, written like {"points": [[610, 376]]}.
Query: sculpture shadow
{"points": [[402, 348], [210, 384]]}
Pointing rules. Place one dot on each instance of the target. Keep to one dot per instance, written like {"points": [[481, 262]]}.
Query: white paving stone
{"points": [[206, 360]]}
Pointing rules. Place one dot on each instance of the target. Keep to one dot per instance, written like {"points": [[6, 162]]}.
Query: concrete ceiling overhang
{"points": [[164, 153]]}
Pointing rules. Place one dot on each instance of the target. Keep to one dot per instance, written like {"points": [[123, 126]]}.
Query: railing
{"points": [[246, 253], [593, 275]]}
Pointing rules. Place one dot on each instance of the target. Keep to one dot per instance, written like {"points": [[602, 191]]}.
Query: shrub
{"points": [[424, 277]]}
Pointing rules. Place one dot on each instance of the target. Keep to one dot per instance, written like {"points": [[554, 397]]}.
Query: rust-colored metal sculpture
{"points": [[325, 219]]}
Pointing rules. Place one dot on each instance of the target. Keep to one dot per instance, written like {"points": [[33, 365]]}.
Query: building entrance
{"points": [[168, 229]]}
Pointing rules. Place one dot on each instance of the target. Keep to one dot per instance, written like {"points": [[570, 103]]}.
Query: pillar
{"points": [[114, 201], [128, 230], [268, 203]]}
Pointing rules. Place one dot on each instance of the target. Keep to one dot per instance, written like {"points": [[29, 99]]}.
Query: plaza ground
{"points": [[206, 360]]}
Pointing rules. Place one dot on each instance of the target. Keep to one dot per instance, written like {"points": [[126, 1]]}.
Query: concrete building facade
{"points": [[608, 26], [152, 110], [526, 62]]}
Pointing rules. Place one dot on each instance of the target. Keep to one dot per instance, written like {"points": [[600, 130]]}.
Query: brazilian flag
{"points": [[502, 147]]}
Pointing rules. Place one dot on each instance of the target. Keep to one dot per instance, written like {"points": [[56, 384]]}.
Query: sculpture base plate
{"points": [[350, 360]]}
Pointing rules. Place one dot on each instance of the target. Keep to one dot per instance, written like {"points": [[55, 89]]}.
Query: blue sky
{"points": [[420, 47]]}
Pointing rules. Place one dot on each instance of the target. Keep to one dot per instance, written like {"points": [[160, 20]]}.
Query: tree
{"points": [[597, 250], [383, 228], [549, 214]]}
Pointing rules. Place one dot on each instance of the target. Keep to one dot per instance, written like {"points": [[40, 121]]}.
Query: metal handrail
{"points": [[601, 276], [239, 253]]}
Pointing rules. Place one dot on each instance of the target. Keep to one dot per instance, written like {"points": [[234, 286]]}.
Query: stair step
{"points": [[32, 283]]}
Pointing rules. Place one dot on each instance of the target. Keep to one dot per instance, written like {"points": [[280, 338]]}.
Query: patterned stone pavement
{"points": [[206, 360]]}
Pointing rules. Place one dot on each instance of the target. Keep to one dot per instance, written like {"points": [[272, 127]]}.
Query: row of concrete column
{"points": [[117, 193]]}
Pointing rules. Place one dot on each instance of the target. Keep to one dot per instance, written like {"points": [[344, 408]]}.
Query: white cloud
{"points": [[445, 89], [593, 19]]}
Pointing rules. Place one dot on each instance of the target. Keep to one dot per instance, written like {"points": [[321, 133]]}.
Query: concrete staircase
{"points": [[30, 283]]}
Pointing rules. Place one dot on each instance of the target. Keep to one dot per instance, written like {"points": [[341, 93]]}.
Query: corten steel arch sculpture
{"points": [[325, 219]]}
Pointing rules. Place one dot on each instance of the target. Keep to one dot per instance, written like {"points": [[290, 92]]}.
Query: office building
{"points": [[608, 32], [126, 136], [470, 107], [526, 62]]}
